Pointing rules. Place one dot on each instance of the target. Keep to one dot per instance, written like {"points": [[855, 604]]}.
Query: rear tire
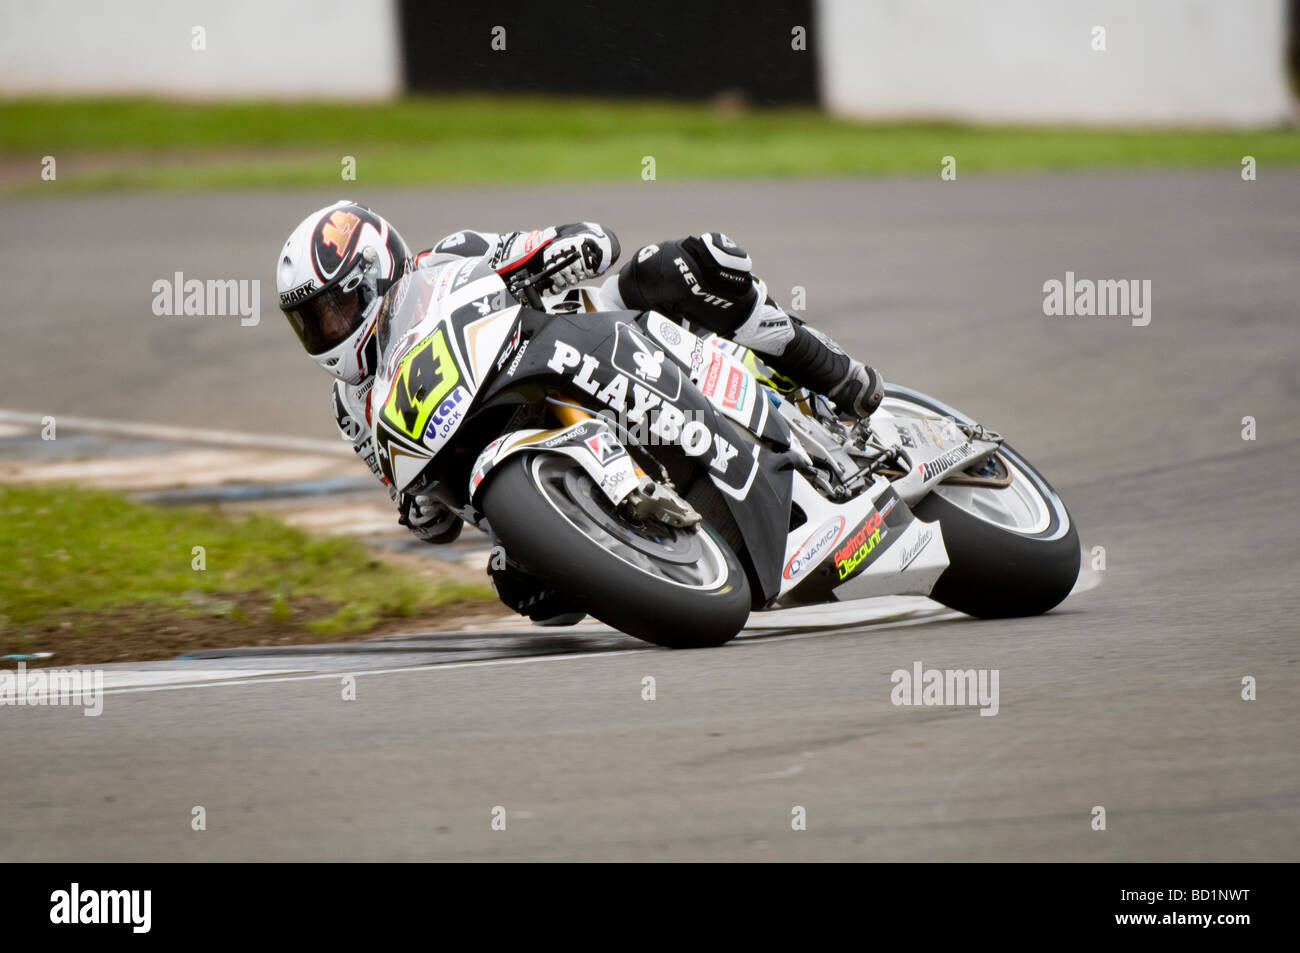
{"points": [[549, 514], [996, 574], [997, 571]]}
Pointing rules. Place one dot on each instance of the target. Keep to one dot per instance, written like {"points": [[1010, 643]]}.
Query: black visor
{"points": [[326, 320]]}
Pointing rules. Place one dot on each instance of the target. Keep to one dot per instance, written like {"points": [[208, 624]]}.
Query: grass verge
{"points": [[97, 577], [467, 139]]}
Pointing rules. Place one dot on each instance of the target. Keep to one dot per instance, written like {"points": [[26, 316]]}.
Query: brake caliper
{"points": [[653, 501]]}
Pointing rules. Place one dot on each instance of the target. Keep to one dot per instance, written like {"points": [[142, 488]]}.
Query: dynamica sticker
{"points": [[812, 548]]}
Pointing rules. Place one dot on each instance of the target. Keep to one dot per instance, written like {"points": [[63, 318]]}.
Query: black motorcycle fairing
{"points": [[591, 357]]}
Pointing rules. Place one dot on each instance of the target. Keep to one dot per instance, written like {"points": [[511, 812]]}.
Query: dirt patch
{"points": [[151, 632]]}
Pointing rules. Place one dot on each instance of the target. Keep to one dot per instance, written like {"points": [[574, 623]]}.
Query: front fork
{"points": [[591, 442]]}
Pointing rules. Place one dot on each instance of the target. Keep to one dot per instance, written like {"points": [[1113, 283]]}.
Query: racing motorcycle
{"points": [[669, 483]]}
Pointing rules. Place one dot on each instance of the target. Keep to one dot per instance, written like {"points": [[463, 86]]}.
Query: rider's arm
{"points": [[424, 516], [351, 413], [597, 248]]}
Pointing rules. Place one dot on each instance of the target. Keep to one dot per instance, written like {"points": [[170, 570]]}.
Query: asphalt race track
{"points": [[1127, 697]]}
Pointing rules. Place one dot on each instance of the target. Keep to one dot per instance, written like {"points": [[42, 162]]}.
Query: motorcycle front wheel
{"points": [[679, 588]]}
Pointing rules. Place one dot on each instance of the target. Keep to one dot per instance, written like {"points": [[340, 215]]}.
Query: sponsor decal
{"points": [[910, 553], [638, 400], [697, 355], [669, 333], [710, 385], [737, 388], [857, 550], [941, 464], [814, 546], [447, 417], [612, 479], [294, 295], [514, 365], [484, 463], [396, 297], [695, 288], [510, 348], [646, 252], [604, 447], [638, 358], [572, 436], [445, 273]]}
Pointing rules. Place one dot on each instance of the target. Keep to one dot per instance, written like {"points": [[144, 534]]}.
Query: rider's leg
{"points": [[709, 281], [526, 594]]}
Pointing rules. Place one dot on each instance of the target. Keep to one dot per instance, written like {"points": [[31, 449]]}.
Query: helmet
{"points": [[332, 273]]}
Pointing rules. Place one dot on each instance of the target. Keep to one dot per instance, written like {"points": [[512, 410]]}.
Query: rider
{"points": [[340, 260]]}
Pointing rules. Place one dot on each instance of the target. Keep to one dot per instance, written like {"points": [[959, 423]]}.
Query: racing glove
{"points": [[428, 519], [860, 393], [597, 249]]}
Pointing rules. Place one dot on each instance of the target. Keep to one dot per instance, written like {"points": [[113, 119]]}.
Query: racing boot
{"points": [[528, 595]]}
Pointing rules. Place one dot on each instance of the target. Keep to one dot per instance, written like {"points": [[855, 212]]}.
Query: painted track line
{"points": [[793, 630], [217, 438], [257, 680]]}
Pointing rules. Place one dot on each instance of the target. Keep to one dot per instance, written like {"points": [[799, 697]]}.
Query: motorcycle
{"points": [[669, 482]]}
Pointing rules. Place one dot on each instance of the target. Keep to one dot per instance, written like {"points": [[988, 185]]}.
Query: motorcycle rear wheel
{"points": [[1014, 550]]}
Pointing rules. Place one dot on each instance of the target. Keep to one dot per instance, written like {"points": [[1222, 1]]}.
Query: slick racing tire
{"points": [[1014, 550], [680, 588]]}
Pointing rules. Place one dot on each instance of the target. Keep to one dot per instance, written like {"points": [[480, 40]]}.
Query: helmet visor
{"points": [[328, 319]]}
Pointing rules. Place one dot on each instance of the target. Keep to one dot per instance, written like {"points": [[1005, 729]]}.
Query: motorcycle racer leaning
{"points": [[339, 262]]}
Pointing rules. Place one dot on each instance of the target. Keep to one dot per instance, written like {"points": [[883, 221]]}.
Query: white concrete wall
{"points": [[255, 48], [1168, 62]]}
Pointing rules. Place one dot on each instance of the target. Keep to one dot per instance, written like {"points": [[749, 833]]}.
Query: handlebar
{"points": [[527, 284]]}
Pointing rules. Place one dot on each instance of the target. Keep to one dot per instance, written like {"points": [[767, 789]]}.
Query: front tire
{"points": [[671, 587]]}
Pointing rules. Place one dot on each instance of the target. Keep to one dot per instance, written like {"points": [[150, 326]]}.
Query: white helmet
{"points": [[332, 273]]}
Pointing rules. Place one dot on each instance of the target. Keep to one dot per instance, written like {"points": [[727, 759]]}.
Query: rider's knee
{"points": [[707, 280]]}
